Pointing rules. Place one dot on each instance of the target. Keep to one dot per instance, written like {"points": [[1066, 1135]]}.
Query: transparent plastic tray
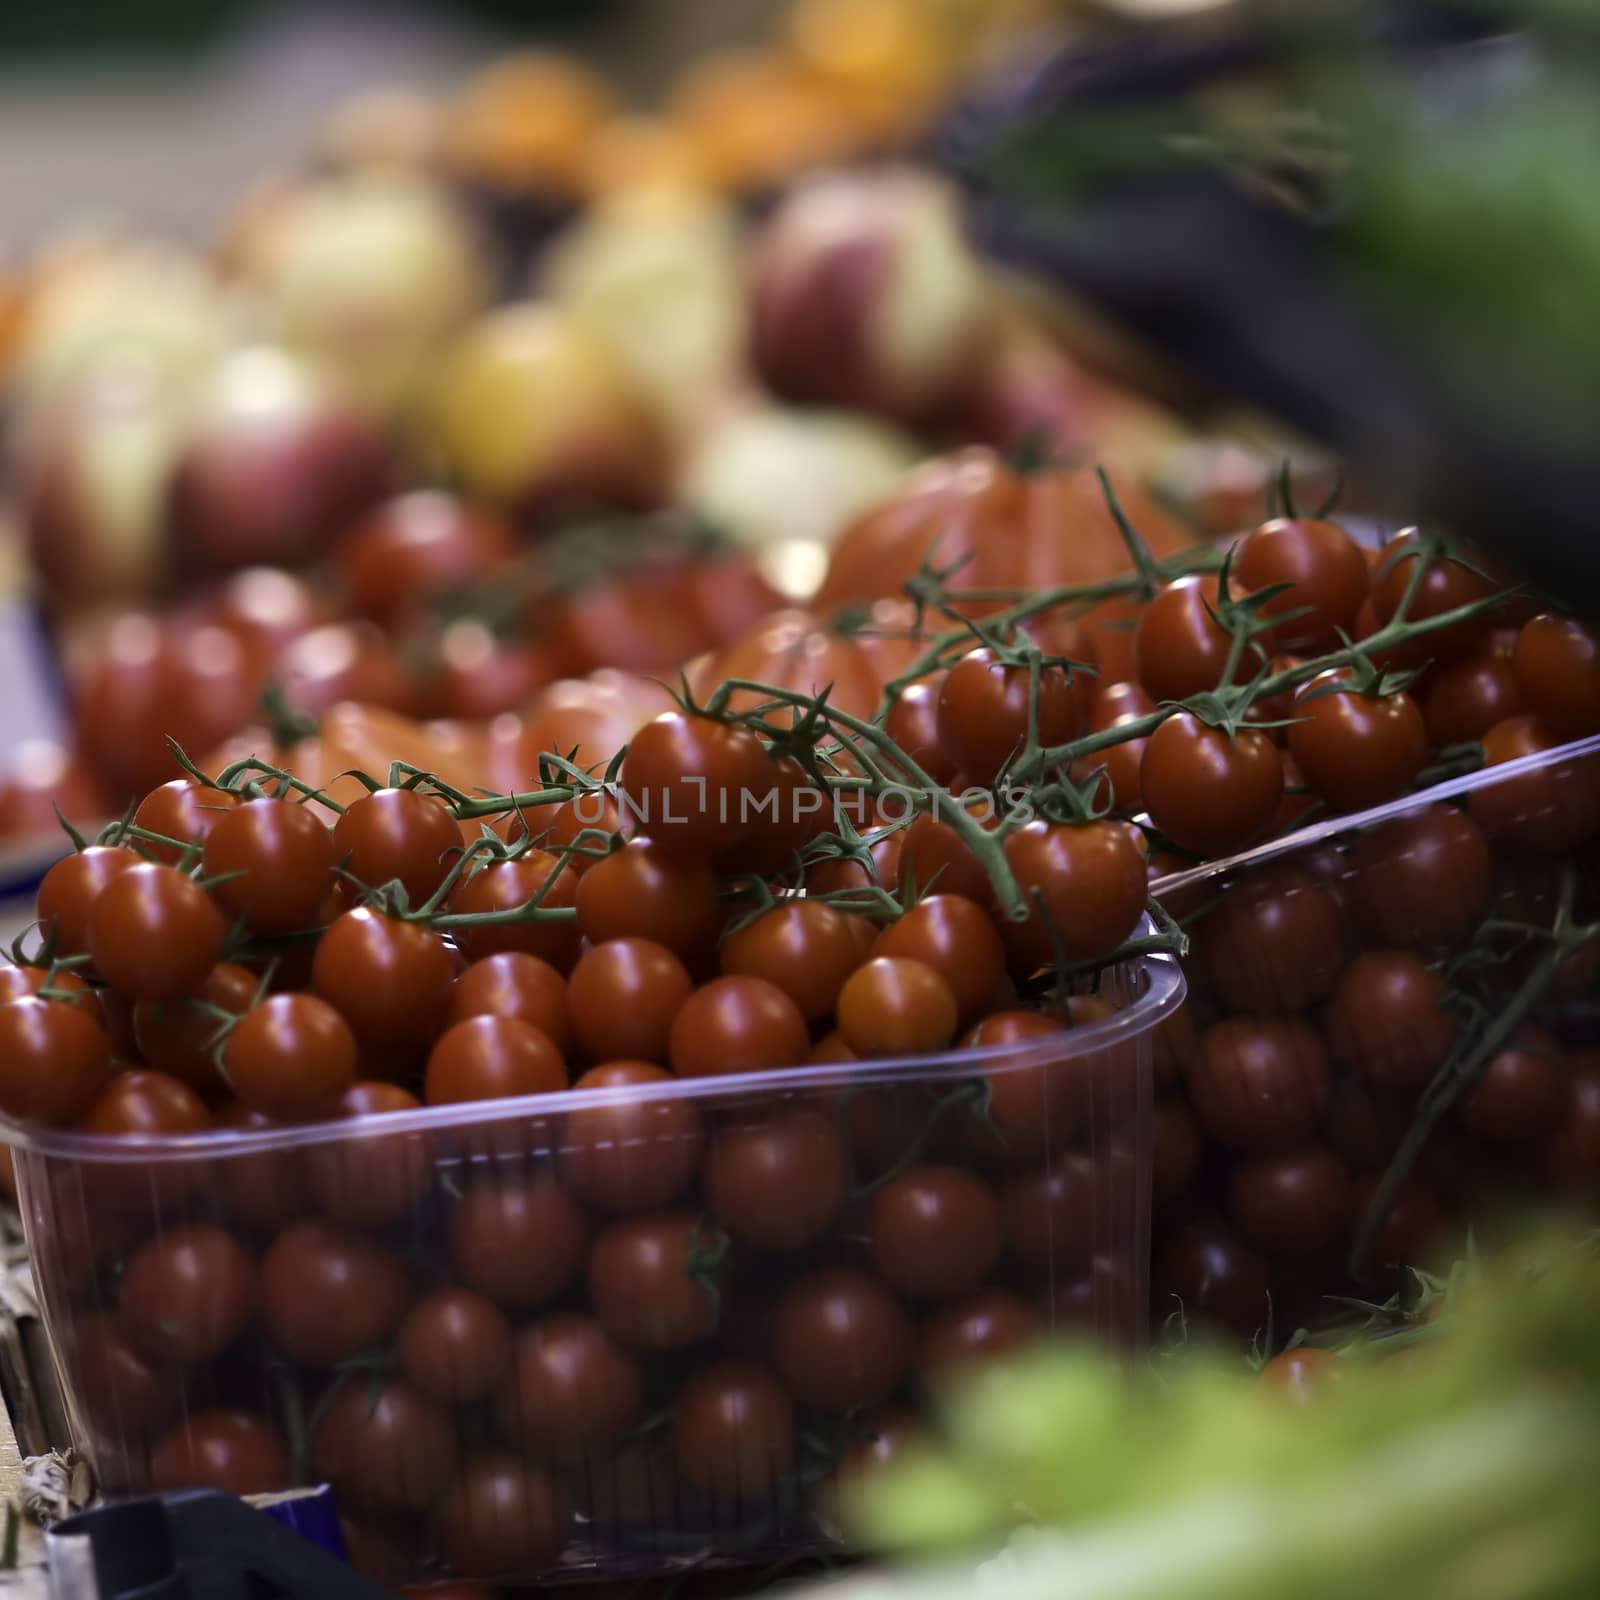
{"points": [[719, 1294], [1342, 981]]}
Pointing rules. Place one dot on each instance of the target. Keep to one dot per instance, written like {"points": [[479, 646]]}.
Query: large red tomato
{"points": [[1041, 530]]}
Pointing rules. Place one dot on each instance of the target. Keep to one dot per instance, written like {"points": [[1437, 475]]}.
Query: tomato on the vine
{"points": [[775, 1179], [398, 835], [369, 1179], [893, 1006], [69, 890], [1181, 647], [652, 1280], [985, 704], [806, 947], [691, 781], [492, 1058], [1463, 699], [737, 1025], [1521, 1092], [501, 886], [1028, 1103], [1275, 943], [934, 1231], [644, 892], [454, 1346], [391, 980], [956, 937], [1326, 569], [291, 1057], [54, 1060], [987, 1324], [630, 1154], [1085, 888], [912, 723], [1114, 705], [382, 1445], [1445, 585], [734, 1433], [1207, 1274], [1207, 790], [1357, 750], [179, 1036], [622, 997], [182, 810], [272, 862], [515, 984], [1422, 879], [1387, 1018], [519, 1240], [237, 1452], [571, 1390], [329, 1293], [154, 934], [1259, 1084], [143, 1102], [1546, 812], [1556, 663], [187, 1294], [1293, 1204], [840, 1341]]}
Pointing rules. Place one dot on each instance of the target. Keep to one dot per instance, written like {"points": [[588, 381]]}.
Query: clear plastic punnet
{"points": [[620, 1331], [1390, 1046]]}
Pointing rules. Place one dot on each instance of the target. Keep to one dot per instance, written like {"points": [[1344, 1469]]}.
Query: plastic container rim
{"points": [[1162, 992], [1357, 821]]}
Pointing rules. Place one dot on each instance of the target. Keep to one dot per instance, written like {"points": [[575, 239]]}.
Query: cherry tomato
{"points": [[1115, 705], [1556, 663], [652, 1280], [182, 810], [382, 1445], [737, 1025], [984, 707], [154, 934], [1180, 647], [1292, 1204], [1090, 878], [391, 981], [1029, 1102], [955, 938], [365, 1178], [187, 1294], [1422, 879], [54, 1060], [1546, 812], [1052, 1214], [934, 1232], [1174, 1150], [493, 1058], [1464, 699], [1386, 1019], [644, 892], [273, 864], [1206, 1273], [119, 1389], [913, 724], [623, 996], [1305, 1374], [234, 1451], [16, 983], [1521, 1093], [1275, 943], [892, 1006], [141, 1103], [571, 1390], [629, 1154], [734, 1433], [291, 1057], [1411, 1232], [986, 1324], [411, 547], [1207, 791], [454, 1346], [786, 810], [516, 985], [1446, 584], [1572, 1155], [1357, 750], [262, 1191], [806, 948], [179, 1037], [506, 886], [498, 1516], [1326, 568], [934, 856], [1259, 1084], [689, 781], [840, 1340], [327, 1294], [398, 835], [518, 1240], [775, 1179]]}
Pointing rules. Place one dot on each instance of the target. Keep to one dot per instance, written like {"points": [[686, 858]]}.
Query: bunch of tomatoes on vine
{"points": [[379, 1242]]}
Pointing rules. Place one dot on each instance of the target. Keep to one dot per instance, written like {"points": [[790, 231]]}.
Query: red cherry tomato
{"points": [[1464, 699], [1327, 572], [327, 1294], [291, 1057], [840, 1341], [1305, 1374], [1422, 879], [71, 887], [398, 836], [1180, 646], [1556, 663], [893, 1006], [986, 1325], [273, 864], [54, 1060], [1085, 885], [515, 984], [1208, 791], [500, 1516], [690, 782], [184, 811], [653, 1280], [1209, 1276], [644, 892], [382, 1445], [1259, 1084], [623, 997], [776, 1179], [934, 1232], [187, 1294], [179, 1037], [1357, 750], [1386, 1018], [1546, 812], [570, 1392], [154, 934], [1291, 1205], [369, 1178], [518, 1240], [807, 948], [392, 981], [492, 1058], [234, 1451], [737, 1025], [454, 1346], [1445, 585], [501, 886], [734, 1433], [630, 1154], [985, 706]]}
